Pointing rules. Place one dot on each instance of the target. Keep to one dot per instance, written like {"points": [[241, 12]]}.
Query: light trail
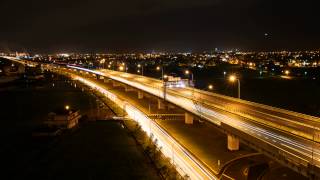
{"points": [[185, 162], [301, 151]]}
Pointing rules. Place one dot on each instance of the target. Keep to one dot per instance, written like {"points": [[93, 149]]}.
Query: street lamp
{"points": [[102, 61], [67, 107], [287, 72], [187, 72], [210, 87], [121, 68], [141, 66], [158, 69], [165, 79], [124, 67], [233, 78]]}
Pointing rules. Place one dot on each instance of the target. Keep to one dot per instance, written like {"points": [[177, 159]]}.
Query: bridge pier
{"points": [[115, 84], [188, 118], [94, 76], [127, 88], [171, 107], [140, 94], [161, 104], [233, 142], [105, 80], [100, 77]]}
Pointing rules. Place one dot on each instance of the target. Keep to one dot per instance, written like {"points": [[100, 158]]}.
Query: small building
{"points": [[63, 118]]}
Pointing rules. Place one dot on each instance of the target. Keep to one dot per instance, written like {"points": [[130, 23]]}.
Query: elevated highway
{"points": [[286, 136], [289, 137]]}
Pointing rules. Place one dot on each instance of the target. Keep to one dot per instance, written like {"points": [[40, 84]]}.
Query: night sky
{"points": [[158, 25]]}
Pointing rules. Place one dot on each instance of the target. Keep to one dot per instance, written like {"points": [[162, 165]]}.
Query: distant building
{"points": [[64, 118]]}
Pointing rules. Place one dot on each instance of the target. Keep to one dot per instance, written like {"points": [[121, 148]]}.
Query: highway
{"points": [[185, 162], [287, 131], [14, 59], [293, 135]]}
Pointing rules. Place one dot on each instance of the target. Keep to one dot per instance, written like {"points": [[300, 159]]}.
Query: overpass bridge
{"points": [[21, 64], [289, 137], [20, 61], [15, 60]]}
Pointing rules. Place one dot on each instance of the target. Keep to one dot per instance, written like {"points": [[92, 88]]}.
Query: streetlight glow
{"points": [[287, 72], [121, 68], [67, 107], [187, 72], [210, 86], [158, 68], [232, 78], [102, 61]]}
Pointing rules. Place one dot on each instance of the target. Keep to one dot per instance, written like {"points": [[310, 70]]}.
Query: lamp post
{"points": [[165, 79], [287, 72], [139, 65], [124, 67], [187, 72], [102, 61], [233, 78], [158, 69]]}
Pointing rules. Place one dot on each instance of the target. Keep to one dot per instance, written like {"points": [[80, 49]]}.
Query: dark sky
{"points": [[159, 25]]}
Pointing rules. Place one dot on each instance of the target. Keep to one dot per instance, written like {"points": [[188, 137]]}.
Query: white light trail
{"points": [[185, 162], [300, 151]]}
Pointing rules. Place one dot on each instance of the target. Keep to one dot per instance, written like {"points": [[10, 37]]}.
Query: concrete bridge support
{"points": [[93, 76], [127, 88], [171, 107], [161, 104], [188, 118], [100, 77], [106, 80], [233, 142], [115, 84], [140, 94]]}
